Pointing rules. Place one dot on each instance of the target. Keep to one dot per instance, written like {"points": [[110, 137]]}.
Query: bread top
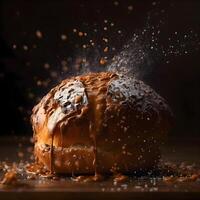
{"points": [[113, 108]]}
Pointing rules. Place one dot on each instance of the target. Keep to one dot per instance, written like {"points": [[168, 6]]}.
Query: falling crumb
{"points": [[39, 34], [85, 34], [46, 66], [20, 154], [105, 40], [84, 60], [130, 8], [80, 34], [112, 24], [105, 21], [105, 28], [39, 83], [102, 61], [116, 3], [25, 47], [63, 37], [84, 46], [154, 3], [105, 49], [14, 46], [74, 30], [119, 31]]}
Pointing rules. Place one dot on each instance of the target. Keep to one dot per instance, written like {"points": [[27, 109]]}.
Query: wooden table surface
{"points": [[176, 151]]}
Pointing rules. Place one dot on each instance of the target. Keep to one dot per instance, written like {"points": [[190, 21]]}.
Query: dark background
{"points": [[24, 76]]}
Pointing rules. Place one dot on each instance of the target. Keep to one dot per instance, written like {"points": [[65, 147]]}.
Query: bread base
{"points": [[80, 160]]}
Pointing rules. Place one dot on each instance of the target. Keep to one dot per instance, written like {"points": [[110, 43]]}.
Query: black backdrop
{"points": [[22, 70]]}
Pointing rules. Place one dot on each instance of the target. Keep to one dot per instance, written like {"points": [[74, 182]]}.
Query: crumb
{"points": [[120, 178], [168, 179], [14, 46], [10, 178], [130, 8], [102, 61], [39, 83], [39, 34], [63, 37], [31, 177], [105, 49], [116, 3], [25, 47], [194, 177], [105, 40], [80, 34], [74, 30], [84, 46], [20, 154], [46, 66]]}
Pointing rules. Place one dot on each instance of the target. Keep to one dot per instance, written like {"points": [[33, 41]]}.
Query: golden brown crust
{"points": [[120, 120]]}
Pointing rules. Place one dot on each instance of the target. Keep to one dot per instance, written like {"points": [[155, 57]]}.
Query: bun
{"points": [[100, 122]]}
